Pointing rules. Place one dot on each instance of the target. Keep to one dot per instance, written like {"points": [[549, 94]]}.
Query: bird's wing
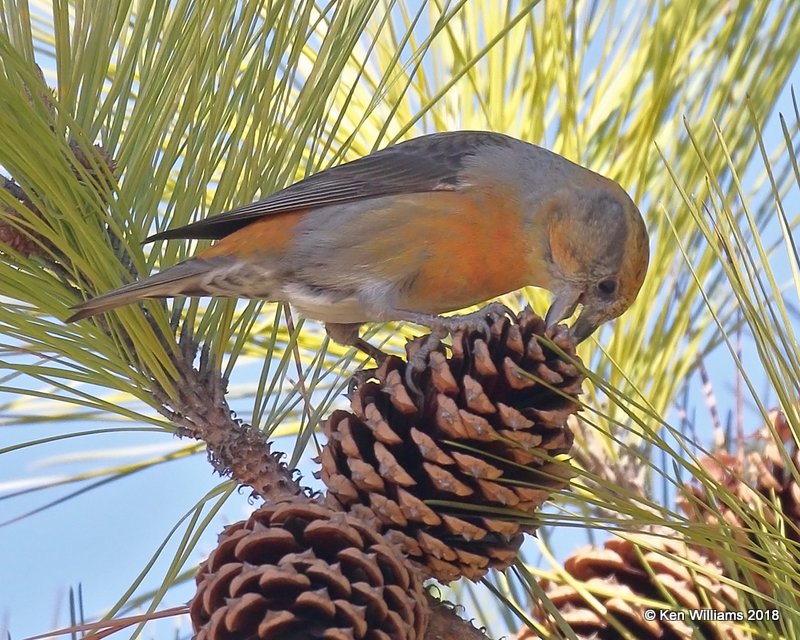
{"points": [[428, 163]]}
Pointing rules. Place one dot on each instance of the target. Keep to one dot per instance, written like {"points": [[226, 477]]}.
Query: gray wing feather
{"points": [[428, 163]]}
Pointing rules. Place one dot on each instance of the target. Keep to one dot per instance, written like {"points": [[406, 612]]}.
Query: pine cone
{"points": [[93, 161], [459, 473], [14, 235], [45, 97], [624, 572], [298, 570], [764, 484], [778, 477]]}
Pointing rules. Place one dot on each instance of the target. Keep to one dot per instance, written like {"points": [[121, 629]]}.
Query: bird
{"points": [[415, 230]]}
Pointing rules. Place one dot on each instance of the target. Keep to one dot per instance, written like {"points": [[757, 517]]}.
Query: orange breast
{"points": [[475, 247]]}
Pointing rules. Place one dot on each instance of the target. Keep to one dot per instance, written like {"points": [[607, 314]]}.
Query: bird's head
{"points": [[599, 252]]}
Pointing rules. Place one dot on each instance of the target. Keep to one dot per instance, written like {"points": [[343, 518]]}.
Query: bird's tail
{"points": [[186, 278]]}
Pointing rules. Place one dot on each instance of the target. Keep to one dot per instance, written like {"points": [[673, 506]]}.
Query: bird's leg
{"points": [[347, 335]]}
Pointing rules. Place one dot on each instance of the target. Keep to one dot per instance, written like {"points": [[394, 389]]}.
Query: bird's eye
{"points": [[607, 287]]}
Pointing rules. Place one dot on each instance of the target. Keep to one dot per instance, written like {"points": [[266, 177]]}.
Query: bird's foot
{"points": [[480, 320], [418, 361], [442, 326]]}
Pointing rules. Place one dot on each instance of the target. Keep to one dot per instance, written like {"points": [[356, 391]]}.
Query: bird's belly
{"points": [[327, 305]]}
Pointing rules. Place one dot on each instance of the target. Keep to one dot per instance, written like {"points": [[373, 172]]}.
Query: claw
{"points": [[359, 378], [418, 361]]}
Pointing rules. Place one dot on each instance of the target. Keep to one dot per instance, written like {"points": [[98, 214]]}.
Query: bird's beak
{"points": [[563, 307], [584, 326]]}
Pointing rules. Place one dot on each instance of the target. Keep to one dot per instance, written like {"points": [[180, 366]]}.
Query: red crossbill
{"points": [[424, 227]]}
